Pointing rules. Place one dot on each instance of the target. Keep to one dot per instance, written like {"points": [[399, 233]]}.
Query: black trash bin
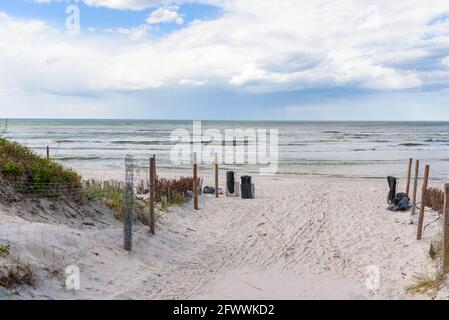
{"points": [[246, 179], [230, 182], [246, 188]]}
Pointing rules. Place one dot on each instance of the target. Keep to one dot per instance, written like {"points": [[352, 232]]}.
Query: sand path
{"points": [[298, 239]]}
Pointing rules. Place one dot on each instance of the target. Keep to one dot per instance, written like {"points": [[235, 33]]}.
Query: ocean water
{"points": [[335, 149]]}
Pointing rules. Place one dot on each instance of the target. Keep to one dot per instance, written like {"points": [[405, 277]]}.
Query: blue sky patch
{"points": [[54, 13]]}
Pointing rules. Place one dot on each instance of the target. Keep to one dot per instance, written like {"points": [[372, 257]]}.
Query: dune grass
{"points": [[435, 250], [169, 192], [109, 192], [426, 284], [17, 275], [32, 173]]}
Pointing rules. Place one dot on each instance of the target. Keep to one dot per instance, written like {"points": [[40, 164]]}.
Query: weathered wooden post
{"points": [[154, 167], [423, 202], [48, 152], [415, 188], [446, 229], [409, 173], [128, 203], [216, 175], [195, 182], [152, 192]]}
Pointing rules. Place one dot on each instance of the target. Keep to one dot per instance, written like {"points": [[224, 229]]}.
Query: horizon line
{"points": [[223, 120]]}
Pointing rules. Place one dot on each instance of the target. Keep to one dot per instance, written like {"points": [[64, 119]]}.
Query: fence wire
{"points": [[44, 190]]}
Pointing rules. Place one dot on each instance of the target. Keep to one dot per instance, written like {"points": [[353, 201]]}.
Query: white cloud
{"points": [[255, 45], [192, 82], [350, 66], [123, 4], [135, 4], [133, 33], [446, 61], [165, 15], [117, 4]]}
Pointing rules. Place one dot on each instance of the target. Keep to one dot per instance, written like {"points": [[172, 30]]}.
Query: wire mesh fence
{"points": [[49, 234], [42, 190]]}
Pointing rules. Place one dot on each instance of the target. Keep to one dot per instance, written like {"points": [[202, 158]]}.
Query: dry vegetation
{"points": [[426, 283], [430, 283], [175, 190], [169, 192], [436, 250], [17, 275], [434, 199]]}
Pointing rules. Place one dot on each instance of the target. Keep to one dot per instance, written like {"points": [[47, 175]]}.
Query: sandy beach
{"points": [[301, 238], [330, 119]]}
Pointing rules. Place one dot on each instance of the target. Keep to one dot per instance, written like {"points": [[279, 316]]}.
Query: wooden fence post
{"points": [[154, 167], [415, 188], [195, 182], [409, 173], [446, 229], [128, 210], [152, 192], [423, 206], [216, 175], [48, 152]]}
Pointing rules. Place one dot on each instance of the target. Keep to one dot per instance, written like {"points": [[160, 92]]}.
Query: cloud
{"points": [[192, 82], [351, 66], [446, 61], [165, 15], [133, 33], [136, 5], [123, 4], [254, 46], [117, 4]]}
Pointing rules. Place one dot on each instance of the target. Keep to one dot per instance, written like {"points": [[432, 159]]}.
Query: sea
{"points": [[312, 148]]}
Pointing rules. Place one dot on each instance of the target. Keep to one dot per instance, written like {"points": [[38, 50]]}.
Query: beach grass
{"points": [[32, 173], [435, 249], [169, 192], [17, 275], [426, 283], [109, 192]]}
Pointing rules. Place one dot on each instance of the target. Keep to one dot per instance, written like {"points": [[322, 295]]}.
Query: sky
{"points": [[225, 59]]}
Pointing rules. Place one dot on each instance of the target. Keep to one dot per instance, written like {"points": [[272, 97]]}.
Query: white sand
{"points": [[299, 239]]}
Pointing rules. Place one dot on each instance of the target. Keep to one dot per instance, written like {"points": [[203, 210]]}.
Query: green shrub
{"points": [[13, 169], [33, 173], [4, 250]]}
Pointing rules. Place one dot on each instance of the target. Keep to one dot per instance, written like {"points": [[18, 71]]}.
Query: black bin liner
{"points": [[208, 190], [230, 181], [392, 182]]}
